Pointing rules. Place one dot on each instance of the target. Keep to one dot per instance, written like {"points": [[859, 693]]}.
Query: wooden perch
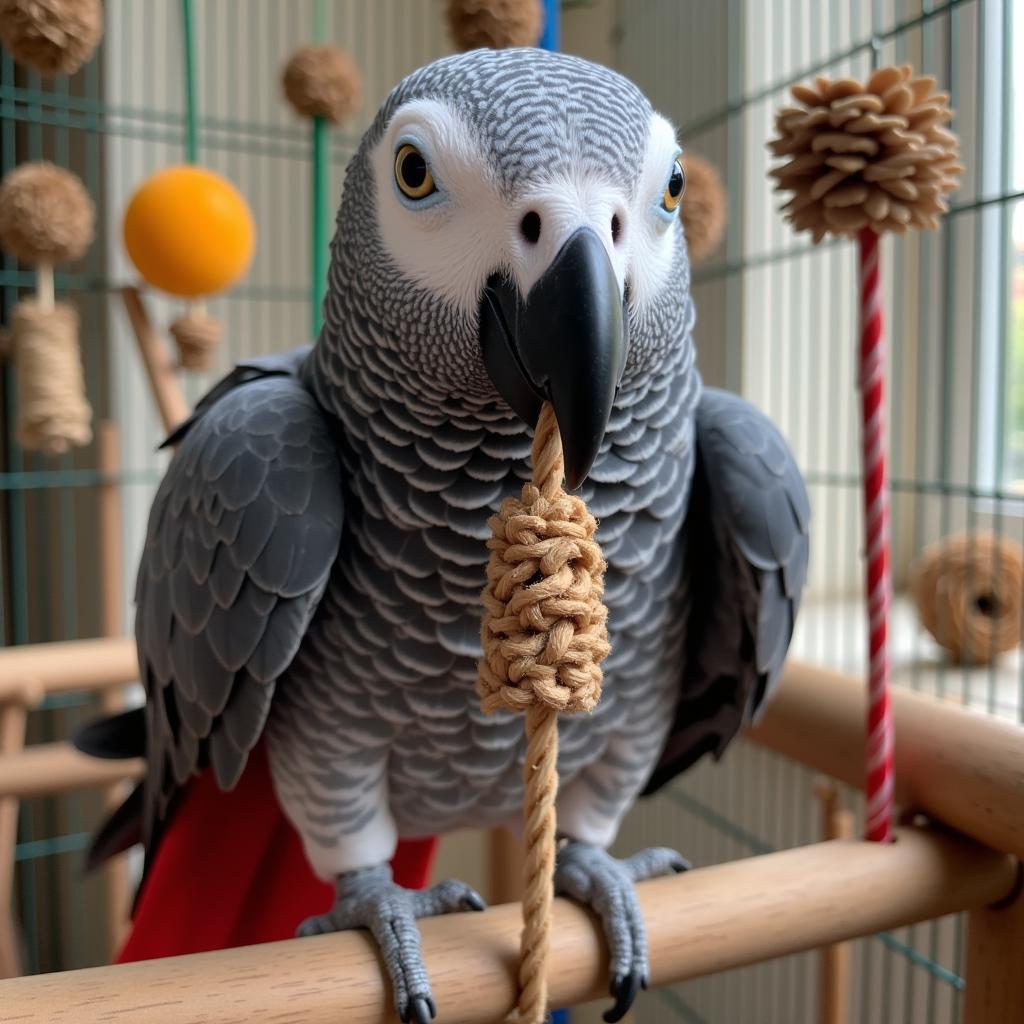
{"points": [[47, 768], [67, 667], [975, 785], [709, 920], [156, 358], [958, 766]]}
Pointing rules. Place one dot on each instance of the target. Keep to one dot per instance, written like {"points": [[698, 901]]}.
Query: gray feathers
{"points": [[374, 727], [242, 535], [748, 544]]}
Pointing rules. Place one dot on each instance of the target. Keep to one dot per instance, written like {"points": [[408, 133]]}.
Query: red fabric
{"points": [[231, 871]]}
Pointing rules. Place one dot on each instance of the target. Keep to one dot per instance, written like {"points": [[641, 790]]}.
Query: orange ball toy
{"points": [[189, 232]]}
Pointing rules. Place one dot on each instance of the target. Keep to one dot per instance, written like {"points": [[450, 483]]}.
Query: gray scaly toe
{"points": [[368, 898], [592, 876]]}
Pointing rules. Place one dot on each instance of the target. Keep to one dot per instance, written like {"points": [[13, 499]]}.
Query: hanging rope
{"points": [[544, 635]]}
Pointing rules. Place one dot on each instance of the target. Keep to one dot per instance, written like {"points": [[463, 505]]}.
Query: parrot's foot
{"points": [[595, 878], [368, 898]]}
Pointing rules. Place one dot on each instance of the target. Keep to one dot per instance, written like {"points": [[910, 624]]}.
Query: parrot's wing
{"points": [[747, 546], [242, 535]]}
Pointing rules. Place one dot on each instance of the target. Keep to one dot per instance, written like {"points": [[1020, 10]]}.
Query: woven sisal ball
{"points": [[702, 210], [968, 594], [495, 24], [46, 215], [321, 81], [51, 36], [875, 155]]}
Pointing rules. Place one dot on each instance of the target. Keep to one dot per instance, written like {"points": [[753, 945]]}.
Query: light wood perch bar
{"points": [[67, 666], [47, 768], [709, 920], [955, 765]]}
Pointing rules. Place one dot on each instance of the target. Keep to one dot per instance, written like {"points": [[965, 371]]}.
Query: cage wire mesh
{"points": [[776, 321]]}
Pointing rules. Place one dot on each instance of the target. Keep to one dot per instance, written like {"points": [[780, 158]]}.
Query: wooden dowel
{"points": [[13, 717], [108, 445], [958, 766], [67, 666], [505, 867], [834, 960], [156, 358], [705, 921], [994, 969], [47, 768]]}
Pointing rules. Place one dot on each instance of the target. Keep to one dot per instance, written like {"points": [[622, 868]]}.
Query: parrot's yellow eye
{"points": [[412, 173], [674, 189]]}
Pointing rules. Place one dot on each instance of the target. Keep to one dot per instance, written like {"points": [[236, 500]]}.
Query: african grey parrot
{"points": [[315, 556]]}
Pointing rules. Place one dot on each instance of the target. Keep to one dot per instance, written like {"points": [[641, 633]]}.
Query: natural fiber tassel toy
{"points": [[46, 217], [863, 159]]}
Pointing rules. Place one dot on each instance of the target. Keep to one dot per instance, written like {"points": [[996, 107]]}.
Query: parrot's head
{"points": [[508, 234]]}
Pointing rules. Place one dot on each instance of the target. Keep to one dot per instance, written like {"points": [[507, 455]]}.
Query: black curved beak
{"points": [[565, 343]]}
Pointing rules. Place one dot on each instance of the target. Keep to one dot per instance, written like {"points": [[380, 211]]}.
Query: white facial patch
{"points": [[448, 244], [451, 242], [653, 238]]}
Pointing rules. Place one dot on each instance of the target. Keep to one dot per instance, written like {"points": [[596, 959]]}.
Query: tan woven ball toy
{"points": [[968, 594], [322, 81], [495, 24], [51, 36], [874, 154], [46, 215], [702, 210]]}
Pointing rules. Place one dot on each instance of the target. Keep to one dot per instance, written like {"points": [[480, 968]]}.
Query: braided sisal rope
{"points": [[544, 635]]}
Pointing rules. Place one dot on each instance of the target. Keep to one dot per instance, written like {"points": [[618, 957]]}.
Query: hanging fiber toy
{"points": [[53, 37], [495, 24], [322, 81], [968, 592], [46, 217], [863, 158], [544, 635], [702, 209], [190, 233]]}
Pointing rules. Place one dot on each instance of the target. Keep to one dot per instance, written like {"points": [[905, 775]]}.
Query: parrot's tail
{"points": [[225, 869], [116, 737]]}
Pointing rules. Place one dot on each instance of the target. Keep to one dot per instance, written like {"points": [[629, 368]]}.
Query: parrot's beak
{"points": [[565, 343]]}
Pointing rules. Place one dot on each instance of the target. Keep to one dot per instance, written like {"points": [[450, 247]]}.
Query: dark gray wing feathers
{"points": [[242, 536], [746, 543]]}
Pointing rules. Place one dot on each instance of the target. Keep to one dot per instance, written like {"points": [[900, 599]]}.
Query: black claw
{"points": [[420, 1010], [624, 990], [473, 901]]}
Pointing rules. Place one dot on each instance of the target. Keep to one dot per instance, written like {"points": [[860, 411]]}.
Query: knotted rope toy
{"points": [[863, 158], [544, 635]]}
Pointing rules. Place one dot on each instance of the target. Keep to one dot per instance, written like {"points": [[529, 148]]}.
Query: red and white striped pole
{"points": [[879, 783]]}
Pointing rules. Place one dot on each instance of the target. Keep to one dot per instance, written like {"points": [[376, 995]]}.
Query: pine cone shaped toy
{"points": [[872, 155]]}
